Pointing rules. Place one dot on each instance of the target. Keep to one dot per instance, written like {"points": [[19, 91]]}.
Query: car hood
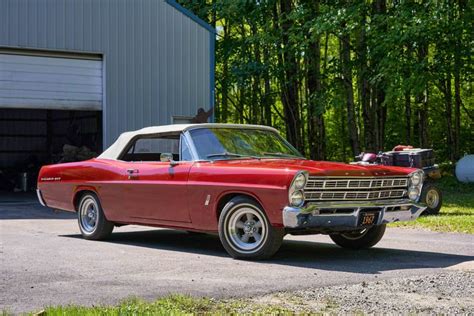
{"points": [[318, 168]]}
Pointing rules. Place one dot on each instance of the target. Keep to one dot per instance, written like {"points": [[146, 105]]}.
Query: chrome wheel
{"points": [[246, 229], [432, 199], [89, 215]]}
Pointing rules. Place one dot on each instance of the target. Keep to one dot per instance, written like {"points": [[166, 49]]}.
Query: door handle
{"points": [[132, 171]]}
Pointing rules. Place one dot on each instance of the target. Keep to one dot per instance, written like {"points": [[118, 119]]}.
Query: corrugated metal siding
{"points": [[156, 59]]}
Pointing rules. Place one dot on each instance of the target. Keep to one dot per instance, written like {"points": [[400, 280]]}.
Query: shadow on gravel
{"points": [[313, 255]]}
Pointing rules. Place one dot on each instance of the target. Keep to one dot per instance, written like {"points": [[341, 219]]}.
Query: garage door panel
{"points": [[50, 78], [56, 104], [49, 95], [50, 69], [38, 82], [51, 87], [52, 61]]}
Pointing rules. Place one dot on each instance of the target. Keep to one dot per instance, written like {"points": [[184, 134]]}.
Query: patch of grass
{"points": [[171, 305], [457, 211]]}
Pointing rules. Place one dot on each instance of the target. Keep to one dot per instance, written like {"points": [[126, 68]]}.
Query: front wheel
{"points": [[91, 218], [245, 231], [359, 239], [431, 196]]}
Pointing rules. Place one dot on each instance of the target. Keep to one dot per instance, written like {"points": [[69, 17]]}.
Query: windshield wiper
{"points": [[281, 155], [228, 154]]}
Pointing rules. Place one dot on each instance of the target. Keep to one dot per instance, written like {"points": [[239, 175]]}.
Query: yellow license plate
{"points": [[368, 219]]}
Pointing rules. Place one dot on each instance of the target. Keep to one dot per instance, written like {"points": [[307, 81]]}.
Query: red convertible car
{"points": [[244, 182]]}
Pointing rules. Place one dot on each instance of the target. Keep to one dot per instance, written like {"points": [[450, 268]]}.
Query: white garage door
{"points": [[37, 82]]}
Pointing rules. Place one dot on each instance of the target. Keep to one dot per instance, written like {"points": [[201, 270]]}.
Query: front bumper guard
{"points": [[340, 216]]}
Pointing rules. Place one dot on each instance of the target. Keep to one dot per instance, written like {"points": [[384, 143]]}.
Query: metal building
{"points": [[97, 68]]}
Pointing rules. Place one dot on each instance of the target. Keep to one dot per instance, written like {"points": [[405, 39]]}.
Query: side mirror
{"points": [[168, 157]]}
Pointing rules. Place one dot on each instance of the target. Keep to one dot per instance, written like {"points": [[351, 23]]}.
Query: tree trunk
{"points": [[423, 119], [267, 99], [448, 100], [380, 8], [346, 71], [407, 96], [381, 118], [364, 90], [224, 109], [457, 100], [422, 101], [316, 129], [408, 134], [289, 85], [255, 106]]}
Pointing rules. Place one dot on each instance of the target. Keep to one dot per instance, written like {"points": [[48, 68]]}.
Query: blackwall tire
{"points": [[91, 219], [432, 197], [246, 233], [359, 239]]}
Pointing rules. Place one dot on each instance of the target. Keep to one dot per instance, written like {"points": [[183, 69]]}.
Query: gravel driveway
{"points": [[45, 262], [440, 293]]}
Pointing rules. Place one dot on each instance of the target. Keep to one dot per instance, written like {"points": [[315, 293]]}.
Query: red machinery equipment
{"points": [[407, 156]]}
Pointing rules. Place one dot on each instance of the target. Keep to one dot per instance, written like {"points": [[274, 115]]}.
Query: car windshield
{"points": [[233, 143]]}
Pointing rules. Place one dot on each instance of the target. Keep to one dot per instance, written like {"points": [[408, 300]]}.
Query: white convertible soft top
{"points": [[114, 151]]}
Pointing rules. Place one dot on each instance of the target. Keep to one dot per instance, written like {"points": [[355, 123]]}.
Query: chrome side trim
{"points": [[40, 197]]}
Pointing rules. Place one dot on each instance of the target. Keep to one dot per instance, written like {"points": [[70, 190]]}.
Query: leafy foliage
{"points": [[346, 76]]}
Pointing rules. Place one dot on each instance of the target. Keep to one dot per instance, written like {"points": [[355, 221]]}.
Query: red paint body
{"points": [[175, 196]]}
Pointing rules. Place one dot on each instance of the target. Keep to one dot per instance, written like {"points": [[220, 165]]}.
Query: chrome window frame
{"points": [[183, 138], [186, 136]]}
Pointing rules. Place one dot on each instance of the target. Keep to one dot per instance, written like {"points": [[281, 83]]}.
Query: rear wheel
{"points": [[359, 239], [91, 218], [245, 231], [431, 196]]}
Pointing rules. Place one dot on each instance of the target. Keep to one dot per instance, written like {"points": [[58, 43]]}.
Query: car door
{"points": [[156, 191]]}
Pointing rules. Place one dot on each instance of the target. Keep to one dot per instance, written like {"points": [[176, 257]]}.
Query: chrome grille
{"points": [[356, 183], [331, 189]]}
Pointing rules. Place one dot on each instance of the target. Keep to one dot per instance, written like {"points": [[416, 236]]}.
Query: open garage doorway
{"points": [[50, 112], [30, 139]]}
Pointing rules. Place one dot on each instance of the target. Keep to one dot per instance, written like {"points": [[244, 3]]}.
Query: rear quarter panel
{"points": [[60, 183]]}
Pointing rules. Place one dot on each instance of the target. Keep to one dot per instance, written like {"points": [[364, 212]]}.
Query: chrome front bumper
{"points": [[340, 216]]}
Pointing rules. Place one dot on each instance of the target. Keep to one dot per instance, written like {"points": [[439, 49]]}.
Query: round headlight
{"points": [[300, 181], [416, 178], [297, 198], [413, 193]]}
